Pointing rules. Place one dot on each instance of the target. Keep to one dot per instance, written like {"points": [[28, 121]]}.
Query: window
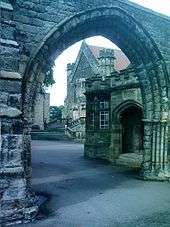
{"points": [[104, 105], [104, 119]]}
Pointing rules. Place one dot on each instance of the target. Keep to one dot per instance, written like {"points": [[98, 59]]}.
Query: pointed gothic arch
{"points": [[120, 21]]}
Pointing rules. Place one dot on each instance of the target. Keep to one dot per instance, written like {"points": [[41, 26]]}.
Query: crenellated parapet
{"points": [[127, 77], [97, 84]]}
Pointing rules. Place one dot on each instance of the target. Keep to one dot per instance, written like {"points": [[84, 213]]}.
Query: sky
{"points": [[58, 90]]}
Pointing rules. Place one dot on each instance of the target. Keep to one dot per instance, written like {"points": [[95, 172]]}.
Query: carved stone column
{"points": [[155, 163]]}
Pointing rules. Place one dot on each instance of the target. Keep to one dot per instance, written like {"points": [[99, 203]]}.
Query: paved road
{"points": [[90, 193]]}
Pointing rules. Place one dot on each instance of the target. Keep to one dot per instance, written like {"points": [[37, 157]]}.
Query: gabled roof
{"points": [[84, 49], [121, 61]]}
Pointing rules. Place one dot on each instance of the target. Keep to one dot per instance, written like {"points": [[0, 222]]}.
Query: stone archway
{"points": [[121, 25], [149, 66]]}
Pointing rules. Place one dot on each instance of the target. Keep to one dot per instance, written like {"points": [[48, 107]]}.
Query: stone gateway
{"points": [[33, 34]]}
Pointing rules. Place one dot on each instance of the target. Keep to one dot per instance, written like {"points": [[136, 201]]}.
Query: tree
{"points": [[49, 78], [56, 112]]}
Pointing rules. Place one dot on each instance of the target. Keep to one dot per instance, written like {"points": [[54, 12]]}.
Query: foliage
{"points": [[56, 112], [49, 78]]}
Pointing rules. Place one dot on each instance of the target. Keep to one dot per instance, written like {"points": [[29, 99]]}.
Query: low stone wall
{"points": [[57, 136]]}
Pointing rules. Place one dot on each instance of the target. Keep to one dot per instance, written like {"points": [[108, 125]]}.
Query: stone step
{"points": [[49, 136], [130, 160], [55, 130]]}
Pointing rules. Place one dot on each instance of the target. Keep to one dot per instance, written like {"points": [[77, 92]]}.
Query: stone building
{"points": [[91, 61], [114, 113], [41, 110]]}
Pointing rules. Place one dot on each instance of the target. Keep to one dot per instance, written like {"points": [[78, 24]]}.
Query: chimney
{"points": [[106, 62]]}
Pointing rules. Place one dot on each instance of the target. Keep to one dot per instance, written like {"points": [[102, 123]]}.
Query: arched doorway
{"points": [[132, 130], [128, 134]]}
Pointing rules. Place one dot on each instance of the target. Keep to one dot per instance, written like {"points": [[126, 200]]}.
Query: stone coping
{"points": [[5, 5], [10, 75], [9, 111], [9, 42]]}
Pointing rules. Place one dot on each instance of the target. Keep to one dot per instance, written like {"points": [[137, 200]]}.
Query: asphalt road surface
{"points": [[91, 193]]}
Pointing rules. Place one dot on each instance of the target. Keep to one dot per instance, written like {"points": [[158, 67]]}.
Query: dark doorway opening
{"points": [[132, 130]]}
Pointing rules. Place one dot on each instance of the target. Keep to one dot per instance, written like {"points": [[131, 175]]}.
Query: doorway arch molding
{"points": [[118, 110], [116, 126]]}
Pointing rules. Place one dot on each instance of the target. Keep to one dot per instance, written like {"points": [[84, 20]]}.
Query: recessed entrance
{"points": [[132, 130]]}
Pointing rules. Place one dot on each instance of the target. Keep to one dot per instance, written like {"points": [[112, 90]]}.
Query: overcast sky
{"points": [[58, 91]]}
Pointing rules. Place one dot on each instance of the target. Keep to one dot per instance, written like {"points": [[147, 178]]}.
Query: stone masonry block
{"points": [[11, 86], [11, 150]]}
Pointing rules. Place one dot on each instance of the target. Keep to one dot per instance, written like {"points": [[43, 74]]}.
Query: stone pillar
{"points": [[12, 183], [116, 140], [155, 163], [15, 199]]}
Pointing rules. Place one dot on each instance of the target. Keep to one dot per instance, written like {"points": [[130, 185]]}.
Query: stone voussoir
{"points": [[10, 75], [6, 6], [9, 42], [7, 111]]}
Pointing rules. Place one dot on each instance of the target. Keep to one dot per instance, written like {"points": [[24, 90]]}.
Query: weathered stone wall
{"points": [[40, 18], [122, 91], [46, 107], [76, 75], [41, 110]]}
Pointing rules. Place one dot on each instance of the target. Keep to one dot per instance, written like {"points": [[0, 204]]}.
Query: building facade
{"points": [[114, 114], [104, 106], [41, 110], [91, 62]]}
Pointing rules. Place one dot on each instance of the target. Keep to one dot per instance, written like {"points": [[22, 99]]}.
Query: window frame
{"points": [[104, 123]]}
